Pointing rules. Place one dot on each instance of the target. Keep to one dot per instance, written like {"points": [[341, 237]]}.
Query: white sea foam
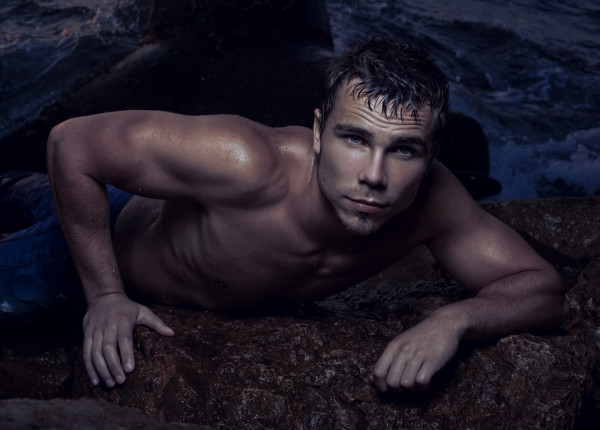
{"points": [[527, 71], [5, 307], [568, 167]]}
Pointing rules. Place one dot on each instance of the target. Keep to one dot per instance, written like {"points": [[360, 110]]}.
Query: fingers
{"points": [[108, 342], [381, 370], [95, 364], [108, 357], [125, 340], [401, 375], [406, 365], [87, 359], [108, 351], [412, 358], [150, 320], [400, 368], [104, 355]]}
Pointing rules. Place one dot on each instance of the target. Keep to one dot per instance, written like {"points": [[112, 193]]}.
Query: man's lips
{"points": [[367, 206]]}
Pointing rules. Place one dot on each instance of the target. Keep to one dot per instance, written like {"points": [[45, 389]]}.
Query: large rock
{"points": [[262, 59], [308, 367], [81, 414]]}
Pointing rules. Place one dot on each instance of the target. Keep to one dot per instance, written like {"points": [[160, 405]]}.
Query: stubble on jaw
{"points": [[366, 228], [363, 226]]}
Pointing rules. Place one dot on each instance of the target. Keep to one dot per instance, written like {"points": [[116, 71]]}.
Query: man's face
{"points": [[370, 166]]}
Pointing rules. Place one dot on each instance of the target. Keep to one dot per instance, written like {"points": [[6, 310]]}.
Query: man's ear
{"points": [[317, 132]]}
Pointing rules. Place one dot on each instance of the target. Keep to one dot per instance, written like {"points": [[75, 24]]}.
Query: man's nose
{"points": [[374, 173]]}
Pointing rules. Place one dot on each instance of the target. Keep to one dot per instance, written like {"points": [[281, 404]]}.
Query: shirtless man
{"points": [[231, 214]]}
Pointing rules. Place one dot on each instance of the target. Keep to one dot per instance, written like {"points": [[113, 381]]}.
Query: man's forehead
{"points": [[349, 94], [348, 98]]}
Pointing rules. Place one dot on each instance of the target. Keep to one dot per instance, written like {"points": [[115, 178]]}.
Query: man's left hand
{"points": [[412, 358]]}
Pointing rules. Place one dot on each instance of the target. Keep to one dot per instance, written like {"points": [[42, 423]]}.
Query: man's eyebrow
{"points": [[358, 131], [352, 129], [411, 140]]}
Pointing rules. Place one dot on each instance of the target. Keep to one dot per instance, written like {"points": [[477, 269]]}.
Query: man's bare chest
{"points": [[245, 258], [259, 259]]}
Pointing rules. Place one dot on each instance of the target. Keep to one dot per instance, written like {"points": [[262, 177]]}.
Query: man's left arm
{"points": [[515, 289]]}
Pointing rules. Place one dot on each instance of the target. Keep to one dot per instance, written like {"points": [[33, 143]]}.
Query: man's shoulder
{"points": [[260, 161], [443, 202], [273, 149], [260, 139]]}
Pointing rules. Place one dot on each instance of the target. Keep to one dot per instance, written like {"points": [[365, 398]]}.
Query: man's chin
{"points": [[362, 225]]}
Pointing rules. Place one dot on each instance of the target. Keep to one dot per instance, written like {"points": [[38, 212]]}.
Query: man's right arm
{"points": [[155, 154], [83, 210]]}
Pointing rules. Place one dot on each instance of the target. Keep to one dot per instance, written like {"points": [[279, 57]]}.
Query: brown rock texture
{"points": [[81, 414], [308, 367]]}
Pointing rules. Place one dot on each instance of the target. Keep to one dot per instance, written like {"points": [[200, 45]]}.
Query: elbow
{"points": [[563, 311], [557, 306], [55, 137], [55, 145], [560, 309]]}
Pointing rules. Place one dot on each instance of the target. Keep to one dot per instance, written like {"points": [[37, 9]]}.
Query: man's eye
{"points": [[404, 150], [354, 139]]}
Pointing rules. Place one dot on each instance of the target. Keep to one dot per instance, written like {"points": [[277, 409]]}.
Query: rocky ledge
{"points": [[308, 367]]}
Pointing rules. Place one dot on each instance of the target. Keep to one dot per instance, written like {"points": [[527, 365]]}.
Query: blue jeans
{"points": [[36, 271]]}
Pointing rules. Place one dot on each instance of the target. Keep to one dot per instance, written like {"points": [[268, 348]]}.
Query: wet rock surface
{"points": [[262, 59], [308, 367]]}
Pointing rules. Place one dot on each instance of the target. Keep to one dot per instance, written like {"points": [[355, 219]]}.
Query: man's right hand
{"points": [[108, 336]]}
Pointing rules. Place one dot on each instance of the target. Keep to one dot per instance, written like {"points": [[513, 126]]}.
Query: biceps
{"points": [[164, 155], [125, 149]]}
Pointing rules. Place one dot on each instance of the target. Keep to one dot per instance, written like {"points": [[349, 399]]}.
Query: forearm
{"points": [[83, 210], [83, 155], [526, 301]]}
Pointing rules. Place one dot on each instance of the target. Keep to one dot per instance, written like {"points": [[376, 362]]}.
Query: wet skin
{"points": [[362, 172], [235, 214], [371, 166]]}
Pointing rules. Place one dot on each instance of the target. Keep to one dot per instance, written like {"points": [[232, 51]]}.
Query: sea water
{"points": [[527, 70], [48, 46]]}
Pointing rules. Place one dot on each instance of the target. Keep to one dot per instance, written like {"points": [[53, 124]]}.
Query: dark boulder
{"points": [[465, 151], [263, 59], [81, 414]]}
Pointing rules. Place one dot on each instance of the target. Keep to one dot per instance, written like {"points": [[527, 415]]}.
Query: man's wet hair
{"points": [[402, 75]]}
